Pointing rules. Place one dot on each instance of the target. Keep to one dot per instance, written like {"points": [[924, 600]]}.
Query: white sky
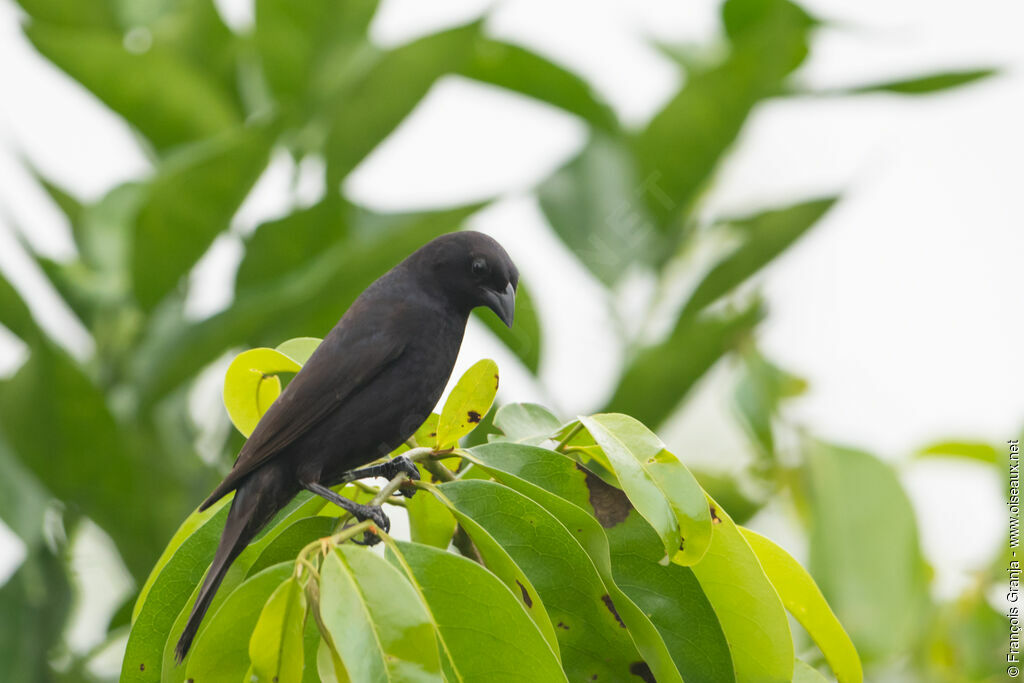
{"points": [[902, 308]]}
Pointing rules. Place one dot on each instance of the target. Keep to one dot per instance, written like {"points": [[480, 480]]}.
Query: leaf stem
{"points": [[561, 447]]}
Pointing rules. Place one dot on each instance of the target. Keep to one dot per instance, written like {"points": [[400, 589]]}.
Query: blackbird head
{"points": [[471, 269]]}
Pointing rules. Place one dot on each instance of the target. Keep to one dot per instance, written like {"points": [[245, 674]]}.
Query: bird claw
{"points": [[404, 464], [375, 514]]}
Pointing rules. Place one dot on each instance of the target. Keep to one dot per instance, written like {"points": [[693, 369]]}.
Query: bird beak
{"points": [[503, 304]]}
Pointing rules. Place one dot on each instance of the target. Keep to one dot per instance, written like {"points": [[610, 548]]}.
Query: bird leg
{"points": [[361, 512], [388, 470]]}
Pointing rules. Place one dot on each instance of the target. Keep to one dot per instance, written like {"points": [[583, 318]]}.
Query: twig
{"points": [[440, 472], [419, 454], [568, 437], [393, 485], [366, 488]]}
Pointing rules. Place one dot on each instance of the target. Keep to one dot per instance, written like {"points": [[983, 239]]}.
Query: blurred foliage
{"points": [[110, 438]]}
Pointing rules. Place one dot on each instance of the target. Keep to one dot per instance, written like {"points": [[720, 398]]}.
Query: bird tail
{"points": [[249, 513]]}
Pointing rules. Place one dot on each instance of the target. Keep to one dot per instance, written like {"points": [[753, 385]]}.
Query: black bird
{"points": [[366, 389]]}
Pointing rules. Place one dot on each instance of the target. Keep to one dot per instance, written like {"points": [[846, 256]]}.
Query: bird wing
{"points": [[341, 367]]}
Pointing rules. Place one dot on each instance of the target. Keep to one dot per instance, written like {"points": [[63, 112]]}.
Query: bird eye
{"points": [[479, 266]]}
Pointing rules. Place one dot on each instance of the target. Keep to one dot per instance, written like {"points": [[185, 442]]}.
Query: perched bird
{"points": [[366, 389]]}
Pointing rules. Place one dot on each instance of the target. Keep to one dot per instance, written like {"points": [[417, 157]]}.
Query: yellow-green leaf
{"points": [[805, 602], [191, 524], [251, 384], [376, 620], [468, 403], [749, 609], [300, 348], [657, 483], [430, 523], [426, 435], [805, 673], [501, 564], [276, 646]]}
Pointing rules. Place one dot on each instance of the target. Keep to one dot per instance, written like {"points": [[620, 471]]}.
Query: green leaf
{"points": [[15, 314], [785, 24], [75, 284], [517, 69], [924, 85], [300, 348], [192, 29], [592, 636], [221, 652], [300, 508], [969, 450], [764, 236], [426, 435], [169, 100], [80, 13], [524, 337], [329, 666], [192, 523], [804, 601], [281, 246], [759, 393], [498, 561], [594, 204], [430, 523], [969, 633], [397, 80], [468, 402], [483, 629], [527, 423], [251, 384], [748, 607], [665, 610], [306, 49], [865, 552], [69, 205], [670, 596], [168, 595], [35, 603], [374, 104], [377, 623], [684, 143], [104, 236], [275, 648], [727, 490], [659, 486], [705, 338], [311, 639], [90, 445], [23, 500], [805, 673], [171, 234], [285, 545]]}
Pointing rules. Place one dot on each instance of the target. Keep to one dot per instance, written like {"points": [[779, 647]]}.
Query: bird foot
{"points": [[375, 514], [404, 464], [389, 470]]}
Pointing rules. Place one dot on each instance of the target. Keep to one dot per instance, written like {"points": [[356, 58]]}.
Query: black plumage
{"points": [[368, 386]]}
